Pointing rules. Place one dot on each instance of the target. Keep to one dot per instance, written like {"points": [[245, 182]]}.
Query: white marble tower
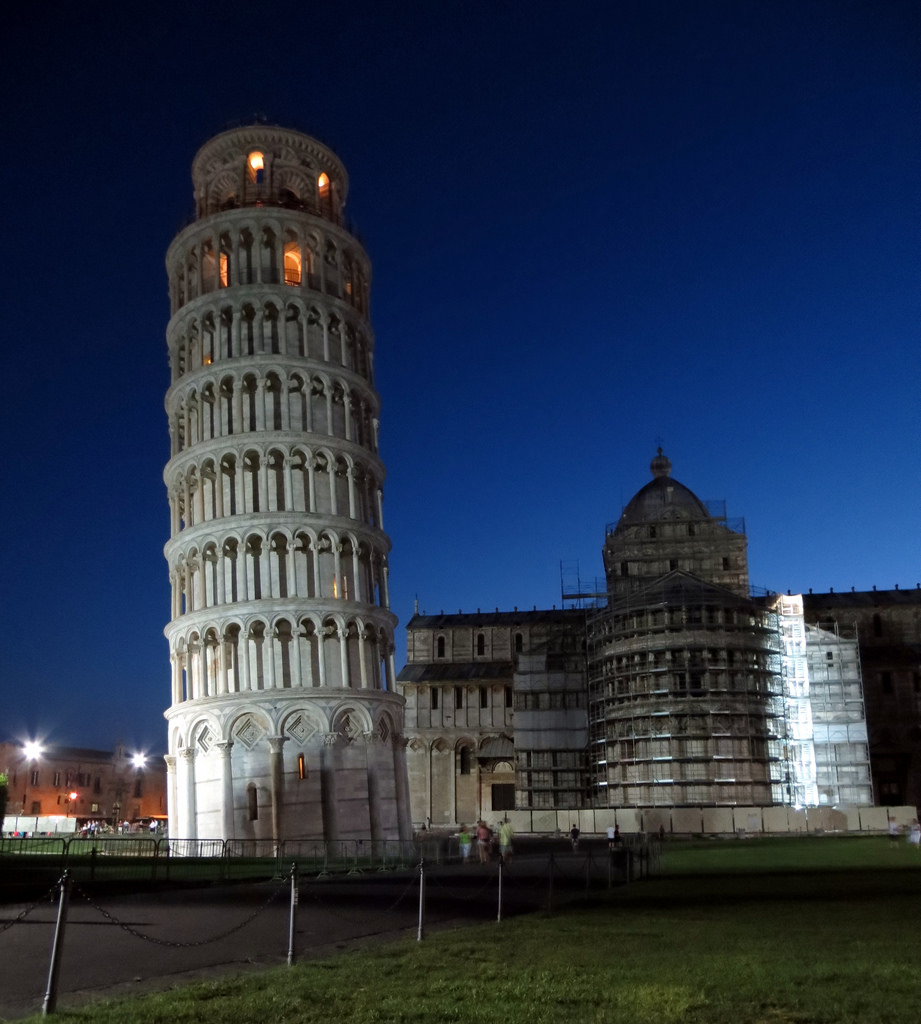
{"points": [[284, 722]]}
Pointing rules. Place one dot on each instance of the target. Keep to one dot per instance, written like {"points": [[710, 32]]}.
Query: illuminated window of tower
{"points": [[224, 269], [323, 185], [256, 164], [292, 263]]}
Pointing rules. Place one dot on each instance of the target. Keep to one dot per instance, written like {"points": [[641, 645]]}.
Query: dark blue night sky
{"points": [[592, 225]]}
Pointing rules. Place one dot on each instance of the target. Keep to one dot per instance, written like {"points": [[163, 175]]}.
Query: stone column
{"points": [[227, 809], [187, 829], [276, 763], [172, 796]]}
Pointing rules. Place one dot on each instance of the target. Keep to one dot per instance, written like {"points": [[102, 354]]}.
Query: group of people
{"points": [[914, 832], [485, 840]]}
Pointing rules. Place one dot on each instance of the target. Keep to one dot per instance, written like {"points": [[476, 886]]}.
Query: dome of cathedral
{"points": [[662, 498]]}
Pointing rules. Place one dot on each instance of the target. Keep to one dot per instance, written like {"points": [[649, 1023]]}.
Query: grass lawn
{"points": [[766, 931]]}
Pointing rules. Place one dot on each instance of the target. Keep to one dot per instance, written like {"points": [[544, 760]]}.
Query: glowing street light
{"points": [[32, 750], [139, 760]]}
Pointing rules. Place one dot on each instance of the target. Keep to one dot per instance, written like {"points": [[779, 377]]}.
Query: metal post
{"points": [[291, 919], [421, 934], [499, 915], [51, 995]]}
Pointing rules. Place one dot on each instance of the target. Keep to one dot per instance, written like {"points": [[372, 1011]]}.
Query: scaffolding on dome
{"points": [[686, 703]]}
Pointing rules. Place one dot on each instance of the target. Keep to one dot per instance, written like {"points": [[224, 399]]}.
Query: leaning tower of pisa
{"points": [[284, 721]]}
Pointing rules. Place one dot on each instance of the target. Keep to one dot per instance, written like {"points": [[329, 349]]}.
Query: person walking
{"points": [[463, 839], [574, 837], [483, 839], [505, 841]]}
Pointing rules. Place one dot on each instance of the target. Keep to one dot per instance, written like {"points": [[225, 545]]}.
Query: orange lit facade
{"points": [[82, 784]]}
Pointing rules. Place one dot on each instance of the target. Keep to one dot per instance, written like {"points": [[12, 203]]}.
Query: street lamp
{"points": [[32, 750]]}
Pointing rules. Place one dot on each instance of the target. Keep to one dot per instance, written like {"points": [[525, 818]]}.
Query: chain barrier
{"points": [[112, 919], [487, 884], [47, 898], [410, 885]]}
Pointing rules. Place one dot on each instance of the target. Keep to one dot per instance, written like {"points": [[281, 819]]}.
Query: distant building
{"points": [[667, 685], [467, 677], [102, 786], [888, 627]]}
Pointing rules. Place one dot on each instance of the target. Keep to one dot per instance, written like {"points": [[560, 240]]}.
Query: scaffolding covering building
{"points": [[685, 698], [838, 715], [666, 688]]}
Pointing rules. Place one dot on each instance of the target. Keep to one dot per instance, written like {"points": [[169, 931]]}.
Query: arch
{"points": [[295, 342], [284, 654], [309, 649], [249, 726], [269, 256], [305, 577], [247, 330], [245, 250], [350, 721], [274, 401], [331, 654], [304, 724], [270, 329], [278, 563], [293, 260], [298, 403], [203, 732]]}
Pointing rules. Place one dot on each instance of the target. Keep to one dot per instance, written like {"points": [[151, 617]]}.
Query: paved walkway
{"points": [[240, 928]]}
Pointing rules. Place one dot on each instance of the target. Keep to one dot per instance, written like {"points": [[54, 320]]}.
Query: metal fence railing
{"points": [[115, 858]]}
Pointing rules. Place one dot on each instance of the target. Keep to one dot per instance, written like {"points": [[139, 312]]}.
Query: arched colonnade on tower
{"points": [[252, 654], [228, 404], [279, 564], [275, 478], [244, 251]]}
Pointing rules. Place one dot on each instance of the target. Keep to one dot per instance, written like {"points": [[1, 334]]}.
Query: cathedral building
{"points": [[668, 685], [284, 721]]}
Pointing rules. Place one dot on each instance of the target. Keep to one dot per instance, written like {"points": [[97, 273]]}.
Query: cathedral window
{"points": [[301, 767], [465, 760], [519, 643], [251, 804], [440, 647], [480, 644], [458, 697], [434, 693]]}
